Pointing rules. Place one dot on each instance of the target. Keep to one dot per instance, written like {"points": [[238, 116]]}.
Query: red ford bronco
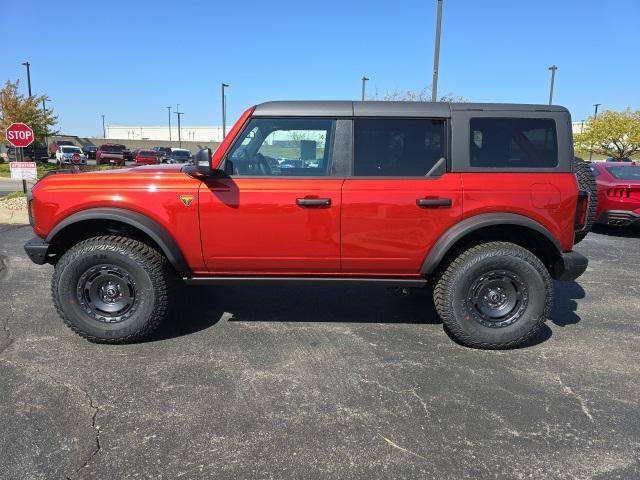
{"points": [[482, 200]]}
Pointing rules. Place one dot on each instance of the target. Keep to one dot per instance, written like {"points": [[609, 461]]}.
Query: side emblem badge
{"points": [[186, 199]]}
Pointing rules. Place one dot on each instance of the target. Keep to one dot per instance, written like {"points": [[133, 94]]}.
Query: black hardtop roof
{"points": [[347, 108]]}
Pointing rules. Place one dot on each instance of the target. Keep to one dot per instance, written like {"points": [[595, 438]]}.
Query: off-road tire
{"points": [[587, 182], [455, 283], [148, 273]]}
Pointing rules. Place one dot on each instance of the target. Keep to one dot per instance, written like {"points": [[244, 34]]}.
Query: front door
{"points": [[400, 198], [279, 212]]}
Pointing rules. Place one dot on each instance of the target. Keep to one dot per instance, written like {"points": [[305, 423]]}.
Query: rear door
{"points": [[279, 212], [399, 198]]}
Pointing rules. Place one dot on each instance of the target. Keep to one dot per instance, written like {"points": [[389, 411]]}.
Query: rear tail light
{"points": [[581, 210], [619, 192]]}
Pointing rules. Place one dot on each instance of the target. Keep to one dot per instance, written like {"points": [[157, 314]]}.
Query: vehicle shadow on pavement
{"points": [[627, 232], [564, 308], [202, 307]]}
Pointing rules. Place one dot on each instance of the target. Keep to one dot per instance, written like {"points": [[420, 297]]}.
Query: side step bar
{"points": [[387, 282]]}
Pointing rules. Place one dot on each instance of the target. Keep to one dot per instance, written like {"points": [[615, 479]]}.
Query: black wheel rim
{"points": [[497, 298], [107, 293]]}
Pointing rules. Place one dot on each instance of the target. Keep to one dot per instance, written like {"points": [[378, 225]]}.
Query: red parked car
{"points": [[618, 192], [482, 199], [146, 157]]}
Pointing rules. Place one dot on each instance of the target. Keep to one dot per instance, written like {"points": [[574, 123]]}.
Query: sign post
{"points": [[20, 135]]}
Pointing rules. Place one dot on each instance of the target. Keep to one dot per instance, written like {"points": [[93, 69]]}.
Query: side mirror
{"points": [[202, 160]]}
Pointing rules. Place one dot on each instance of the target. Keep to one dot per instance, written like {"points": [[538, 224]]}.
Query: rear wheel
{"points": [[587, 182], [494, 295], [112, 289]]}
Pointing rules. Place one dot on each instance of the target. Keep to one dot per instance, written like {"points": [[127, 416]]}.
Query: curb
{"points": [[13, 216]]}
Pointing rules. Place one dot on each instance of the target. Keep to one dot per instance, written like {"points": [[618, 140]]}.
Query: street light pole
{"points": [[224, 110], [595, 116], [553, 69], [179, 134], [169, 108], [27, 64], [104, 131], [436, 54], [364, 79]]}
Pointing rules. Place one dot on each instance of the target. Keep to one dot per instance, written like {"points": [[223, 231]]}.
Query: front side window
{"points": [[513, 143], [389, 147], [282, 147]]}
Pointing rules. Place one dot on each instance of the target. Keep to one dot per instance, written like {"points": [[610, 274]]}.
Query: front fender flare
{"points": [[150, 227], [468, 225]]}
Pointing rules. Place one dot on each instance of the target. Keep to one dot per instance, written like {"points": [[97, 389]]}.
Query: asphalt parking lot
{"points": [[308, 382]]}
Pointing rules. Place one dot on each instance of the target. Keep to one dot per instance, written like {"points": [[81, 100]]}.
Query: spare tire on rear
{"points": [[587, 182]]}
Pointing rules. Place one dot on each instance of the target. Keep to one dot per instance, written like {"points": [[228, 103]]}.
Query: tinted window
{"points": [[283, 147], [625, 173], [397, 147], [513, 143]]}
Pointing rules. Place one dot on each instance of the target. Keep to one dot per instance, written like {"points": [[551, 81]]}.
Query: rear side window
{"points": [[513, 143], [388, 147]]}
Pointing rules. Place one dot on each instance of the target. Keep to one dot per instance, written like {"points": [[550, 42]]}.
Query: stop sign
{"points": [[19, 134]]}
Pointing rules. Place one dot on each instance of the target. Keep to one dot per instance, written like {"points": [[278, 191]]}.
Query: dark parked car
{"points": [[163, 153], [179, 155], [90, 150]]}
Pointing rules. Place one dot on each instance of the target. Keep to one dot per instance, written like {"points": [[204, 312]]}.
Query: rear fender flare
{"points": [[471, 224]]}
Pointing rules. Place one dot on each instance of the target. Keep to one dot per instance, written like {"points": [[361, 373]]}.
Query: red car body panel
{"points": [[253, 225], [385, 231], [548, 198], [614, 193], [144, 158], [152, 191]]}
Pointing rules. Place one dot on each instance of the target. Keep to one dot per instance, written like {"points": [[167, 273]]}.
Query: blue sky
{"points": [[130, 59]]}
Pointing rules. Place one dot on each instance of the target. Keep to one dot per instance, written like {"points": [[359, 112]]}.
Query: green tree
{"points": [[614, 134], [20, 108], [423, 95]]}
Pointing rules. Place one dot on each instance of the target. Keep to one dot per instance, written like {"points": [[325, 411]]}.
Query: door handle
{"points": [[313, 202], [433, 202]]}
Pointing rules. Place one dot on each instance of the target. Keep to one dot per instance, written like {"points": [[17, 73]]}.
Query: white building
{"points": [[154, 132]]}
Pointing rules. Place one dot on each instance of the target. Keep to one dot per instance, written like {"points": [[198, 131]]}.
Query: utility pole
{"points": [[104, 130], [44, 113], [224, 110], [364, 79], [178, 113], [33, 147], [553, 69], [436, 54], [595, 116], [169, 108]]}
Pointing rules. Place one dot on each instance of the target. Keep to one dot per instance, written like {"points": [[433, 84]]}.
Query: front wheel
{"points": [[494, 295], [112, 289]]}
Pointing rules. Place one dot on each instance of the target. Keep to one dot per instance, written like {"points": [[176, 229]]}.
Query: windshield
{"points": [[112, 148], [180, 154], [71, 150], [625, 173], [147, 153]]}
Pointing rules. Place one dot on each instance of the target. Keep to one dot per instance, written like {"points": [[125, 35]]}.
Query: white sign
{"points": [[23, 170]]}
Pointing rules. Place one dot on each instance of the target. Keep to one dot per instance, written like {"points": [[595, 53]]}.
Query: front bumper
{"points": [[570, 266], [37, 250]]}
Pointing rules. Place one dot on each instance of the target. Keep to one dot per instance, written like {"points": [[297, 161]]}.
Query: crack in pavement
{"points": [[412, 391], [77, 389], [568, 391]]}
